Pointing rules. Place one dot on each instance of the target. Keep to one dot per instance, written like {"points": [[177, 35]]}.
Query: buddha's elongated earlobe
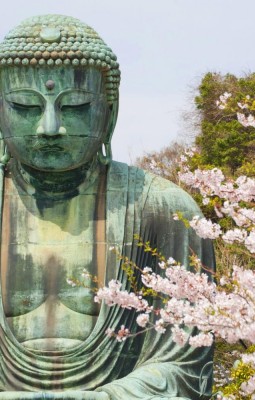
{"points": [[104, 154], [105, 157], [4, 153]]}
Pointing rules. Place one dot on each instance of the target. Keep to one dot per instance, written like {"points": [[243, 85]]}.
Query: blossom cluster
{"points": [[245, 119], [193, 301], [222, 102], [230, 194], [113, 295], [213, 183], [243, 109], [204, 228]]}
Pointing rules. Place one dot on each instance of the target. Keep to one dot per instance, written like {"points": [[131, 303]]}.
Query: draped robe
{"points": [[148, 366]]}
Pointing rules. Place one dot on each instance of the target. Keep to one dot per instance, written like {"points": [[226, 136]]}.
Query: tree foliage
{"points": [[223, 141]]}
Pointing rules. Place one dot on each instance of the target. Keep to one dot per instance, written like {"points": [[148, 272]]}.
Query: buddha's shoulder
{"points": [[148, 181], [157, 190]]}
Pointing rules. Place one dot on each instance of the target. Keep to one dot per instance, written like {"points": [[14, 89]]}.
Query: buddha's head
{"points": [[58, 94]]}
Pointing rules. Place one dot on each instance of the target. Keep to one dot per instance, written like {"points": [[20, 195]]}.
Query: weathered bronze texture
{"points": [[63, 204]]}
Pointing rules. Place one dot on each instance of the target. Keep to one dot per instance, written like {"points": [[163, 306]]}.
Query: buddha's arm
{"points": [[145, 384], [154, 382]]}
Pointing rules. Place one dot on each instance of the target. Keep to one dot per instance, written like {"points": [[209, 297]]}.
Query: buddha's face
{"points": [[53, 118]]}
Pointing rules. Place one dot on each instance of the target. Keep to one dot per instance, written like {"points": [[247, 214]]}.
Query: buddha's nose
{"points": [[49, 124]]}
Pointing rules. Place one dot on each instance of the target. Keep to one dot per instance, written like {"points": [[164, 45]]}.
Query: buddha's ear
{"points": [[105, 152], [4, 153], [2, 144], [112, 120]]}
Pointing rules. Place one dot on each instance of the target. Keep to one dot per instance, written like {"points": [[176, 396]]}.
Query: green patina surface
{"points": [[64, 203]]}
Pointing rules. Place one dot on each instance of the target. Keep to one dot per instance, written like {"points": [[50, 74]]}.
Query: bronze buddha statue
{"points": [[64, 204]]}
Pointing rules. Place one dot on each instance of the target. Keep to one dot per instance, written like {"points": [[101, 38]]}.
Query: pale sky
{"points": [[164, 47]]}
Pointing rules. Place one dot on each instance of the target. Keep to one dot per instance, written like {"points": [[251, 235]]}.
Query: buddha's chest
{"points": [[42, 248]]}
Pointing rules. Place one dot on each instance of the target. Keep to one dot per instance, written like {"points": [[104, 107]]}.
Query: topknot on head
{"points": [[58, 40]]}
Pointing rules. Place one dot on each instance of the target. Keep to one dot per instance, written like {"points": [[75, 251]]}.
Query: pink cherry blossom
{"points": [[142, 320], [160, 326], [179, 335], [205, 228], [235, 235], [122, 334], [114, 295], [202, 339]]}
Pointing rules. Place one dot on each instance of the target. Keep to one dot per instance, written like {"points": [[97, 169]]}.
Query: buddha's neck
{"points": [[52, 184]]}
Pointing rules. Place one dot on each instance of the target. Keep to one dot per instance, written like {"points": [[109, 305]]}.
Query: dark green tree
{"points": [[223, 141]]}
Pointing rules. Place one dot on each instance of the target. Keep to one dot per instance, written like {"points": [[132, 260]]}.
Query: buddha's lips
{"points": [[50, 148]]}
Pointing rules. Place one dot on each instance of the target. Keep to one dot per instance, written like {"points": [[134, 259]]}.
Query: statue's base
{"points": [[67, 395]]}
